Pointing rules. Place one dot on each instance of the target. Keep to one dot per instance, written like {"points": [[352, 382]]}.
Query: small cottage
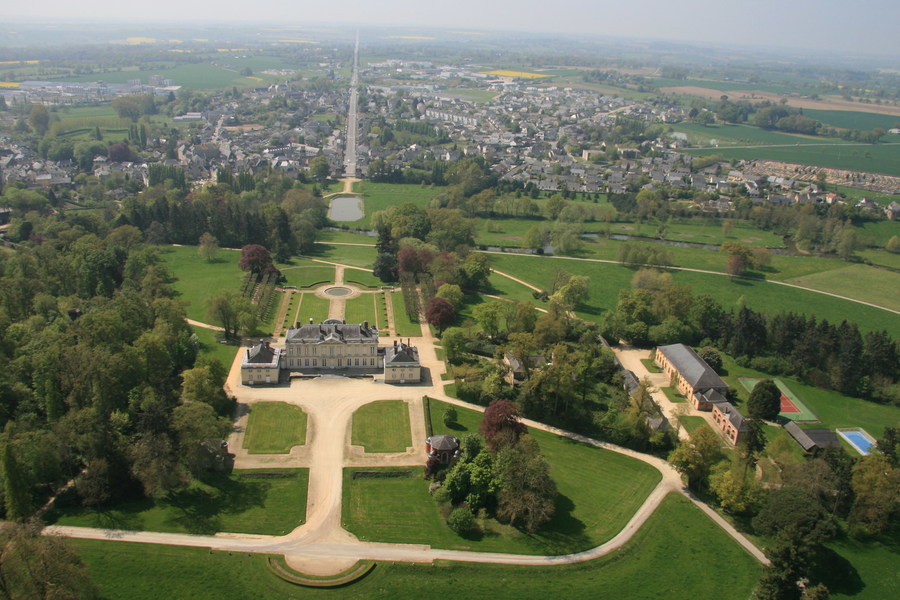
{"points": [[444, 447]]}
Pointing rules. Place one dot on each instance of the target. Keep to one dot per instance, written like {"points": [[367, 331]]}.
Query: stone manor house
{"points": [[331, 347]]}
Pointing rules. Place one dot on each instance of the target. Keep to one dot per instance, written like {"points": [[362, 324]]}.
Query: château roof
{"points": [[261, 354], [400, 354], [332, 331]]}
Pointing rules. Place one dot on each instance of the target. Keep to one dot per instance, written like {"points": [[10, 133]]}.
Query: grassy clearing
{"points": [[877, 233], [379, 196], [599, 490], [274, 428], [859, 281], [662, 556], [832, 408], [361, 309], [382, 426], [240, 502], [195, 279], [402, 323]]}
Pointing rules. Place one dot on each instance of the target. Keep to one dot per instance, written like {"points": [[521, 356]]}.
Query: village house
{"points": [[691, 376], [401, 363], [517, 372]]}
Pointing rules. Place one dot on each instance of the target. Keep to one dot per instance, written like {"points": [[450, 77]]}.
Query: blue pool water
{"points": [[861, 442]]}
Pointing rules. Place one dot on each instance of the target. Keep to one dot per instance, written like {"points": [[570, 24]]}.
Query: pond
{"points": [[346, 208]]}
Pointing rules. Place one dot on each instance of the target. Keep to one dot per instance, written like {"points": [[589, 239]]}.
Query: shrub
{"points": [[461, 521], [449, 416]]}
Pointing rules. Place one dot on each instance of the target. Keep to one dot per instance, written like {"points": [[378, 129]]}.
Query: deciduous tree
{"points": [[440, 313], [765, 400]]}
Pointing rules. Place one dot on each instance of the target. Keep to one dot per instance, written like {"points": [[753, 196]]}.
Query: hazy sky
{"points": [[859, 26]]}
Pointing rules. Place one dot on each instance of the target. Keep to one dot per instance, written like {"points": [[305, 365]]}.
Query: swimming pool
{"points": [[859, 439]]}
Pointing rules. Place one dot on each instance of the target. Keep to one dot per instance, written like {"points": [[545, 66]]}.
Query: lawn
{"points": [[832, 408], [382, 426], [195, 279], [877, 233], [599, 491], [310, 275], [272, 502], [402, 323], [673, 395], [210, 346], [345, 237], [662, 557], [379, 196], [880, 257], [863, 282], [362, 278], [650, 365], [361, 309], [311, 307], [356, 256], [692, 424], [274, 428], [607, 279]]}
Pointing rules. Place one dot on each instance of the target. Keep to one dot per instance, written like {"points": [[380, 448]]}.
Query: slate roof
{"points": [[694, 370], [443, 442], [262, 354], [401, 354], [733, 415], [811, 439], [332, 330]]}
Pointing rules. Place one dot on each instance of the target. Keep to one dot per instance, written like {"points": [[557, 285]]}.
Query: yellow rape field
{"points": [[522, 74], [8, 84]]}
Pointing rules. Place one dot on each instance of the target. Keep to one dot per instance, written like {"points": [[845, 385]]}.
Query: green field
{"points": [[356, 256], [382, 426], [274, 428], [379, 196], [743, 135], [363, 308], [200, 76], [242, 502], [877, 233], [804, 416], [877, 286], [692, 424], [195, 279], [673, 395], [402, 323], [881, 158], [599, 491], [662, 557], [606, 280], [851, 119]]}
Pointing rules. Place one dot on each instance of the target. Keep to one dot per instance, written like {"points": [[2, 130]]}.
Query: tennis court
{"points": [[791, 406]]}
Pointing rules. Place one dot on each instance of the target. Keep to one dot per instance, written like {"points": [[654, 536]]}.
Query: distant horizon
{"points": [[865, 29]]}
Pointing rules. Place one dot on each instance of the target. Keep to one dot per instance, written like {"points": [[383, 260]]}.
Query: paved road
{"points": [[352, 116]]}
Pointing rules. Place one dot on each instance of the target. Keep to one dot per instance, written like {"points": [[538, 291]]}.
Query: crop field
{"points": [[846, 119], [520, 74], [881, 158], [743, 135], [724, 86], [200, 76]]}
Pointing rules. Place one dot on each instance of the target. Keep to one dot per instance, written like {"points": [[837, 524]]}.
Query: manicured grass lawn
{"points": [[659, 562], [863, 569], [382, 426], [877, 286], [513, 290], [274, 428], [404, 326], [312, 307], [362, 277], [832, 408], [692, 424], [599, 490], [347, 237], [361, 309], [195, 280], [357, 256], [308, 276], [242, 502], [209, 346]]}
